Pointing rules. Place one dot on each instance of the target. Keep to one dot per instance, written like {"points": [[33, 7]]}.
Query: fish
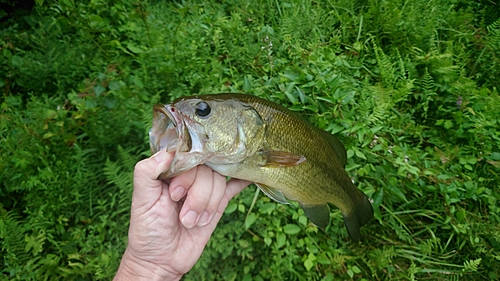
{"points": [[246, 137]]}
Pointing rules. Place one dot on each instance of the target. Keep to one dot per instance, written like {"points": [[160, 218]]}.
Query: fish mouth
{"points": [[168, 127], [174, 132]]}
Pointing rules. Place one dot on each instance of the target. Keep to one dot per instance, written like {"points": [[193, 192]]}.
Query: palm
{"points": [[156, 234]]}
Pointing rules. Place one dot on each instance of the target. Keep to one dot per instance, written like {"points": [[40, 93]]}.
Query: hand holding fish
{"points": [[172, 221]]}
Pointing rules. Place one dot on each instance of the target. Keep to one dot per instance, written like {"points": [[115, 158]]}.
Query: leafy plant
{"points": [[410, 87]]}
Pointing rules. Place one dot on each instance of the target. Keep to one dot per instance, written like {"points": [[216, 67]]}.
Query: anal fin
{"points": [[318, 214]]}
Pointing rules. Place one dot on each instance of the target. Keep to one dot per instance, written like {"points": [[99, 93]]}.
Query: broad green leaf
{"points": [[267, 208], [98, 90], [114, 85], [323, 259], [334, 128], [350, 153], [303, 220], [280, 240], [308, 264], [495, 156], [472, 160], [355, 269], [48, 135], [67, 3], [135, 49], [268, 240], [448, 124], [292, 76], [247, 85], [250, 219], [231, 207], [50, 114], [360, 154], [291, 229], [17, 60]]}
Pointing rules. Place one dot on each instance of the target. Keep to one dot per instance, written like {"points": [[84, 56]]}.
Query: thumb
{"points": [[147, 187]]}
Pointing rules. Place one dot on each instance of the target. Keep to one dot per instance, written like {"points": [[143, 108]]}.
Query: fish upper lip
{"points": [[162, 133], [168, 110], [175, 132]]}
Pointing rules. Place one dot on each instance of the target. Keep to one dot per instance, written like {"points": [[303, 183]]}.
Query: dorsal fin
{"points": [[337, 146]]}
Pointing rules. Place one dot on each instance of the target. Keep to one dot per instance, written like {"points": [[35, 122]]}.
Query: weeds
{"points": [[410, 88]]}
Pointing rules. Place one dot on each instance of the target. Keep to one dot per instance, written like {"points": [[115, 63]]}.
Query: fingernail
{"points": [[203, 219], [189, 220], [161, 156], [178, 193]]}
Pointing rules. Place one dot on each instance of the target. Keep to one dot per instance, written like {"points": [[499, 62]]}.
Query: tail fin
{"points": [[360, 216]]}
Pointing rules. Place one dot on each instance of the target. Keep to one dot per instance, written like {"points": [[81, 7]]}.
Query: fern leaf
{"points": [[471, 265], [119, 178], [494, 35], [12, 244], [427, 82], [386, 68]]}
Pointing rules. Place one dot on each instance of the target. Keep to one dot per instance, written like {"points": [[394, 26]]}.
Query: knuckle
{"points": [[141, 167]]}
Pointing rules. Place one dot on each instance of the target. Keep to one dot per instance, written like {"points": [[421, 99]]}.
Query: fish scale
{"points": [[321, 169]]}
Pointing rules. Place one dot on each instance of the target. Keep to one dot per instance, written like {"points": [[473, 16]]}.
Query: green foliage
{"points": [[410, 87]]}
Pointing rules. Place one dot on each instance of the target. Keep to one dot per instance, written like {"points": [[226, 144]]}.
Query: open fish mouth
{"points": [[174, 132], [167, 130]]}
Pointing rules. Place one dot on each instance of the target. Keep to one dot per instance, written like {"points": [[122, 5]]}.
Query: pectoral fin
{"points": [[274, 194], [318, 214], [282, 158]]}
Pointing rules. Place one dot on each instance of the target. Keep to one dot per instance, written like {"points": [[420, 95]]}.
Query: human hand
{"points": [[169, 230]]}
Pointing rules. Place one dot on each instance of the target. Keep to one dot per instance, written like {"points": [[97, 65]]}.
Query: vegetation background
{"points": [[410, 88]]}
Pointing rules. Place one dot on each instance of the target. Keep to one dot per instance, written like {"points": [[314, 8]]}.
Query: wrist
{"points": [[132, 268]]}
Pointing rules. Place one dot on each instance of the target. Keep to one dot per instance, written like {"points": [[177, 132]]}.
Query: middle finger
{"points": [[198, 197]]}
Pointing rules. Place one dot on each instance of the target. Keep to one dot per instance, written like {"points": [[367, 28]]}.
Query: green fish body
{"points": [[249, 138]]}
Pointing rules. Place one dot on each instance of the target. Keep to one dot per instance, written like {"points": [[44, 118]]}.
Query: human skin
{"points": [[171, 221]]}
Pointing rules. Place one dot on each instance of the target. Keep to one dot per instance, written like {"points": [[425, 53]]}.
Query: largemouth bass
{"points": [[249, 138]]}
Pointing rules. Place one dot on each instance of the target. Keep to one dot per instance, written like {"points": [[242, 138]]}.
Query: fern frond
{"points": [[494, 35], [119, 173], [381, 101], [119, 178], [386, 68], [427, 82], [403, 72], [401, 230], [12, 244], [471, 265], [428, 91]]}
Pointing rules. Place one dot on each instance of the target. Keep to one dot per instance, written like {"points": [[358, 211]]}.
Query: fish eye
{"points": [[202, 109]]}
